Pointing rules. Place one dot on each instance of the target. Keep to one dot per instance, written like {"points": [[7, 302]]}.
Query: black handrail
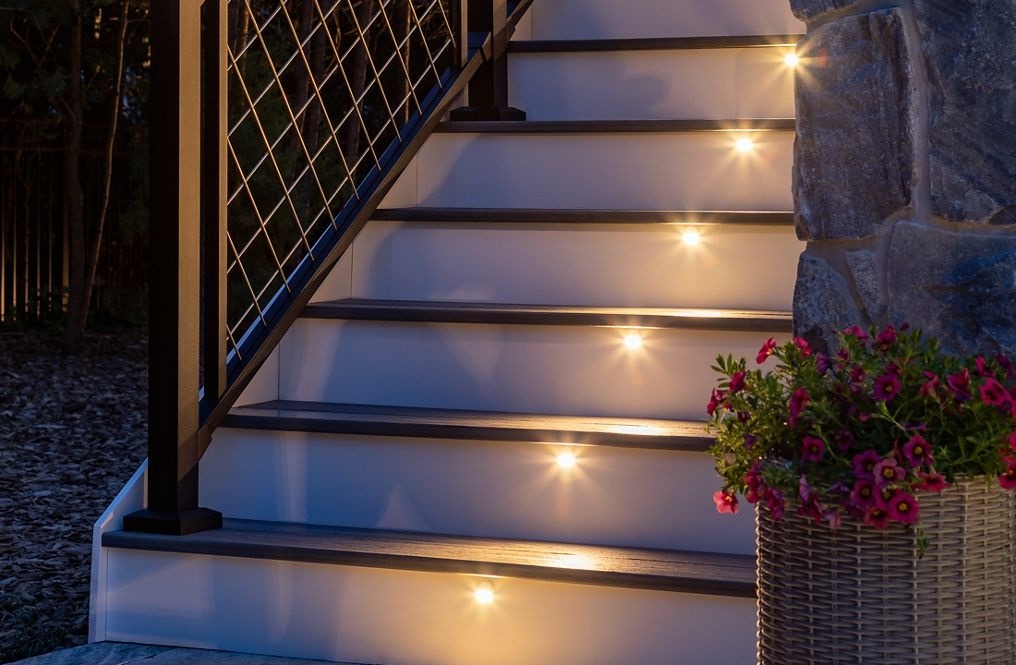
{"points": [[196, 160]]}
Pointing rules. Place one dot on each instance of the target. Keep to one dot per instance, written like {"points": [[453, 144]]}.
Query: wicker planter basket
{"points": [[859, 595]]}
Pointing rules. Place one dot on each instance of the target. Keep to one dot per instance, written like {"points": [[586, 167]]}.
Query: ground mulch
{"points": [[73, 430]]}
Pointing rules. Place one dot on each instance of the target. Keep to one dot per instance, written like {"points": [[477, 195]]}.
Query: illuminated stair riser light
{"points": [[744, 145], [691, 237], [792, 60], [633, 341], [566, 460], [483, 595]]}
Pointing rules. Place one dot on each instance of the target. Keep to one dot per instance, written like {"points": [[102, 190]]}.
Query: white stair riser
{"points": [[613, 496], [366, 615], [611, 19], [519, 368], [595, 265], [637, 85], [641, 171]]}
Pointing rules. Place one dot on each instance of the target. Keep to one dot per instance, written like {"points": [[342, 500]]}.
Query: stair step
{"points": [[547, 315], [658, 570], [652, 43], [402, 421], [594, 216], [618, 126]]}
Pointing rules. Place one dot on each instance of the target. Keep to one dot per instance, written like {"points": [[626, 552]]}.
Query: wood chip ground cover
{"points": [[72, 431]]}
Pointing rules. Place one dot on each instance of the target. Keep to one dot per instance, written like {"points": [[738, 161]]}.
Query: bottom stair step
{"points": [[660, 570], [402, 598]]}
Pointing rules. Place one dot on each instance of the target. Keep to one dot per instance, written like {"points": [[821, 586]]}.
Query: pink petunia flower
{"points": [[981, 365], [863, 493], [813, 449], [876, 517], [715, 401], [904, 508], [864, 464], [932, 482], [887, 472], [803, 345], [798, 401], [993, 393], [857, 332], [886, 338], [767, 350], [774, 502], [844, 440], [726, 502], [959, 384], [1012, 441], [737, 382], [1006, 364], [887, 387], [917, 451], [930, 387], [1008, 478]]}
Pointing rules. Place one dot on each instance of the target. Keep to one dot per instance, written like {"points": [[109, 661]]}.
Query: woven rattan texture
{"points": [[859, 595]]}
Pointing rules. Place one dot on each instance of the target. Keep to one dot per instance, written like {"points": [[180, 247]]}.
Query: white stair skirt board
{"points": [[631, 19], [368, 615], [622, 265], [612, 496], [666, 171], [654, 85], [536, 369]]}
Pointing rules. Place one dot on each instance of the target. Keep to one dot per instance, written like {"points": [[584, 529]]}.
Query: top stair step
{"points": [[652, 43], [619, 126], [658, 570]]}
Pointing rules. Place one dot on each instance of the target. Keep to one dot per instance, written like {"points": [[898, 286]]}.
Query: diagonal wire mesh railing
{"points": [[321, 93]]}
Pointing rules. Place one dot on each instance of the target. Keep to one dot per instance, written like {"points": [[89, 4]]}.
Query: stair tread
{"points": [[652, 44], [423, 422], [663, 570], [506, 313], [587, 216], [616, 126]]}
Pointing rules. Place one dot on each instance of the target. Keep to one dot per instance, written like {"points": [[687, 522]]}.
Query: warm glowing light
{"points": [[792, 60], [633, 341], [744, 144], [691, 237], [566, 460], [484, 595]]}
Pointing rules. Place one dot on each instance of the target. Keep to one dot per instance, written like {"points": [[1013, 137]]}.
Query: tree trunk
{"points": [[73, 197], [107, 176]]}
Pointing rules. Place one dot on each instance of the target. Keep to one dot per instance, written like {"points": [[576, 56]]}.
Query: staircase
{"points": [[482, 444]]}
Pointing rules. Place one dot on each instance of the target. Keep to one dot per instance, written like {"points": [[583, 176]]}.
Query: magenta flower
{"points": [[844, 440], [834, 517], [774, 502], [917, 451], [767, 350], [798, 401], [887, 386], [1006, 364], [981, 365], [876, 517], [864, 464], [749, 441], [857, 374], [813, 449], [1008, 478], [930, 387], [886, 338], [857, 332], [904, 508], [959, 383], [726, 502], [715, 401], [737, 382], [932, 482], [993, 393], [803, 345], [863, 493], [1012, 441], [823, 363], [887, 472]]}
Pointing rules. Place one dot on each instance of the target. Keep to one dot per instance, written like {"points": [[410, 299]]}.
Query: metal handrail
{"points": [[203, 169]]}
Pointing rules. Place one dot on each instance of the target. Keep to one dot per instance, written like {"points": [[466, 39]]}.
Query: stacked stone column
{"points": [[905, 169]]}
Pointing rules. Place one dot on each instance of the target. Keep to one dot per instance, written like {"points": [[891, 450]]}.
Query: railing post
{"points": [[488, 90], [174, 328]]}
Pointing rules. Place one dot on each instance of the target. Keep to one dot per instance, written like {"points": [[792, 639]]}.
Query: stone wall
{"points": [[905, 169]]}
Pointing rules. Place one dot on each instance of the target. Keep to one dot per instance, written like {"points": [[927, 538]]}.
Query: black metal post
{"points": [[175, 129], [488, 90]]}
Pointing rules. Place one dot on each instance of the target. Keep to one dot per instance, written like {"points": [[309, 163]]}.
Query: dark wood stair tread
{"points": [[660, 570], [585, 216], [550, 315], [652, 44], [418, 422], [617, 126]]}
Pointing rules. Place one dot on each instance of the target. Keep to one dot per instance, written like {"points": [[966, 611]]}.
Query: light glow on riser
{"points": [[650, 85], [536, 369], [612, 496], [624, 171], [370, 615], [596, 265], [611, 19]]}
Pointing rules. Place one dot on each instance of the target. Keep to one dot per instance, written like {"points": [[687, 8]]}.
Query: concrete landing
{"points": [[119, 653]]}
